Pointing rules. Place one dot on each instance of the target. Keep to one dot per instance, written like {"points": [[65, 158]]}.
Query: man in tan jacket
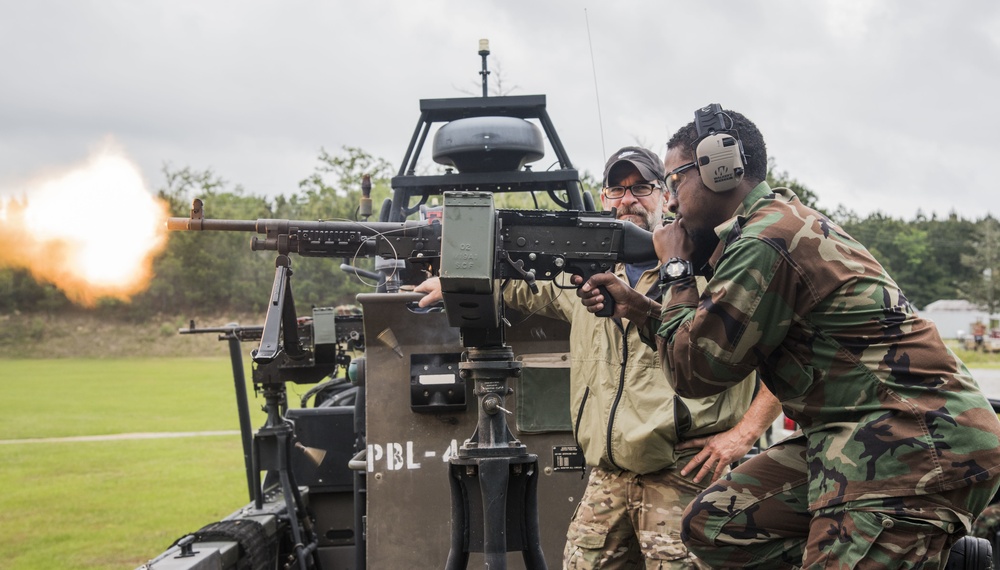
{"points": [[644, 443]]}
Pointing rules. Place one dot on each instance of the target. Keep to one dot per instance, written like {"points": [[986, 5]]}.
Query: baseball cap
{"points": [[644, 160]]}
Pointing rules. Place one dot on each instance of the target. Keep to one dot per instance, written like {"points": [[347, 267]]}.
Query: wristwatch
{"points": [[675, 269]]}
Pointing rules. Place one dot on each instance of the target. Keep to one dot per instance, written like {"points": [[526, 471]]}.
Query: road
{"points": [[117, 436], [989, 381]]}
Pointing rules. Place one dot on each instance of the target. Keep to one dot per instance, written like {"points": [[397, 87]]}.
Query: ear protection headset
{"points": [[718, 150]]}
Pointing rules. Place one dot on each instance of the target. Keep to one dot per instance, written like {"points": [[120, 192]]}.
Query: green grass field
{"points": [[975, 359], [116, 503]]}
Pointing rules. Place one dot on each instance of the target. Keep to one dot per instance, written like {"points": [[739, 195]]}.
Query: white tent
{"points": [[954, 317]]}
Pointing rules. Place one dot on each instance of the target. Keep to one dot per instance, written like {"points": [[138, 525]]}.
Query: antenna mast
{"points": [[484, 50], [597, 92]]}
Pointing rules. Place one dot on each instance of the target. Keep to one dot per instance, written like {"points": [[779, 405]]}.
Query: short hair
{"points": [[753, 144]]}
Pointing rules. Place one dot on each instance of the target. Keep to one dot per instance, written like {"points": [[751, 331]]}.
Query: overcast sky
{"points": [[876, 105]]}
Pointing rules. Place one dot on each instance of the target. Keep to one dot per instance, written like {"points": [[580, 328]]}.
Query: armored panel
{"points": [[408, 496], [334, 512], [330, 431]]}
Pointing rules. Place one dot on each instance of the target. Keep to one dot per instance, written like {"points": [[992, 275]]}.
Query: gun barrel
{"points": [[328, 238], [189, 224], [269, 225]]}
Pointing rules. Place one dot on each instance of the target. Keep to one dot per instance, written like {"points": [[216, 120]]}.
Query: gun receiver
{"points": [[589, 242], [326, 338]]}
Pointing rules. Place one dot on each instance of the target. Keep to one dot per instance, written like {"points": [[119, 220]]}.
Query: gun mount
{"points": [[323, 344]]}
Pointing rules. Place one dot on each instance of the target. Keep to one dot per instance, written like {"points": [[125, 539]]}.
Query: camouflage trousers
{"points": [[757, 516], [626, 520]]}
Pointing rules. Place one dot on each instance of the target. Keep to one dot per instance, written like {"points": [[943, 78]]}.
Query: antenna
{"points": [[597, 93], [484, 50]]}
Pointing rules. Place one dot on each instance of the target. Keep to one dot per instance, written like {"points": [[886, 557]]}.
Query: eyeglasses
{"points": [[637, 190], [673, 178]]}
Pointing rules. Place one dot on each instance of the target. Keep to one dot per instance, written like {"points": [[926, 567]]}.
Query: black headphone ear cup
{"points": [[720, 162]]}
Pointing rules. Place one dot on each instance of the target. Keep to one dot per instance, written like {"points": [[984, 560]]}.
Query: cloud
{"points": [[885, 105]]}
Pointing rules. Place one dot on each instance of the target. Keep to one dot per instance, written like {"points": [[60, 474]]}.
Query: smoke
{"points": [[92, 231]]}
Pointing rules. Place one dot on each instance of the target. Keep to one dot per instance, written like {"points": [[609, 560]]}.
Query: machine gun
{"points": [[476, 247], [326, 339], [483, 244]]}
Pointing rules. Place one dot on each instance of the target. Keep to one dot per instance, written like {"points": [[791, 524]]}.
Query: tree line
{"points": [[931, 258]]}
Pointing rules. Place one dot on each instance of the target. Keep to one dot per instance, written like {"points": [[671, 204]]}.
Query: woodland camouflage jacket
{"points": [[887, 408]]}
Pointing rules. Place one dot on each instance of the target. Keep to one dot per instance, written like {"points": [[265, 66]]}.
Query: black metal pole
{"points": [[242, 407], [484, 50]]}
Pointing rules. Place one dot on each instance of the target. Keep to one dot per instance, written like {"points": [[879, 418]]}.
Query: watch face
{"points": [[675, 269]]}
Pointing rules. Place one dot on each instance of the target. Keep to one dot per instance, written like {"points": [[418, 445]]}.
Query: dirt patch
{"points": [[87, 335]]}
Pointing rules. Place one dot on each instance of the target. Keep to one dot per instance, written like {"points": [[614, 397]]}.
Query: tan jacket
{"points": [[625, 414]]}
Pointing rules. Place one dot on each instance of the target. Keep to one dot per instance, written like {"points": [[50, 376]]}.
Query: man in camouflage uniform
{"points": [[898, 451], [651, 452]]}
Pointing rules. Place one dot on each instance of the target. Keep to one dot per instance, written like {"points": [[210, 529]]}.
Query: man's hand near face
{"points": [[672, 241]]}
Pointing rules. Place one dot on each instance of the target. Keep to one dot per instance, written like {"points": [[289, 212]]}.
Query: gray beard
{"points": [[646, 217]]}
